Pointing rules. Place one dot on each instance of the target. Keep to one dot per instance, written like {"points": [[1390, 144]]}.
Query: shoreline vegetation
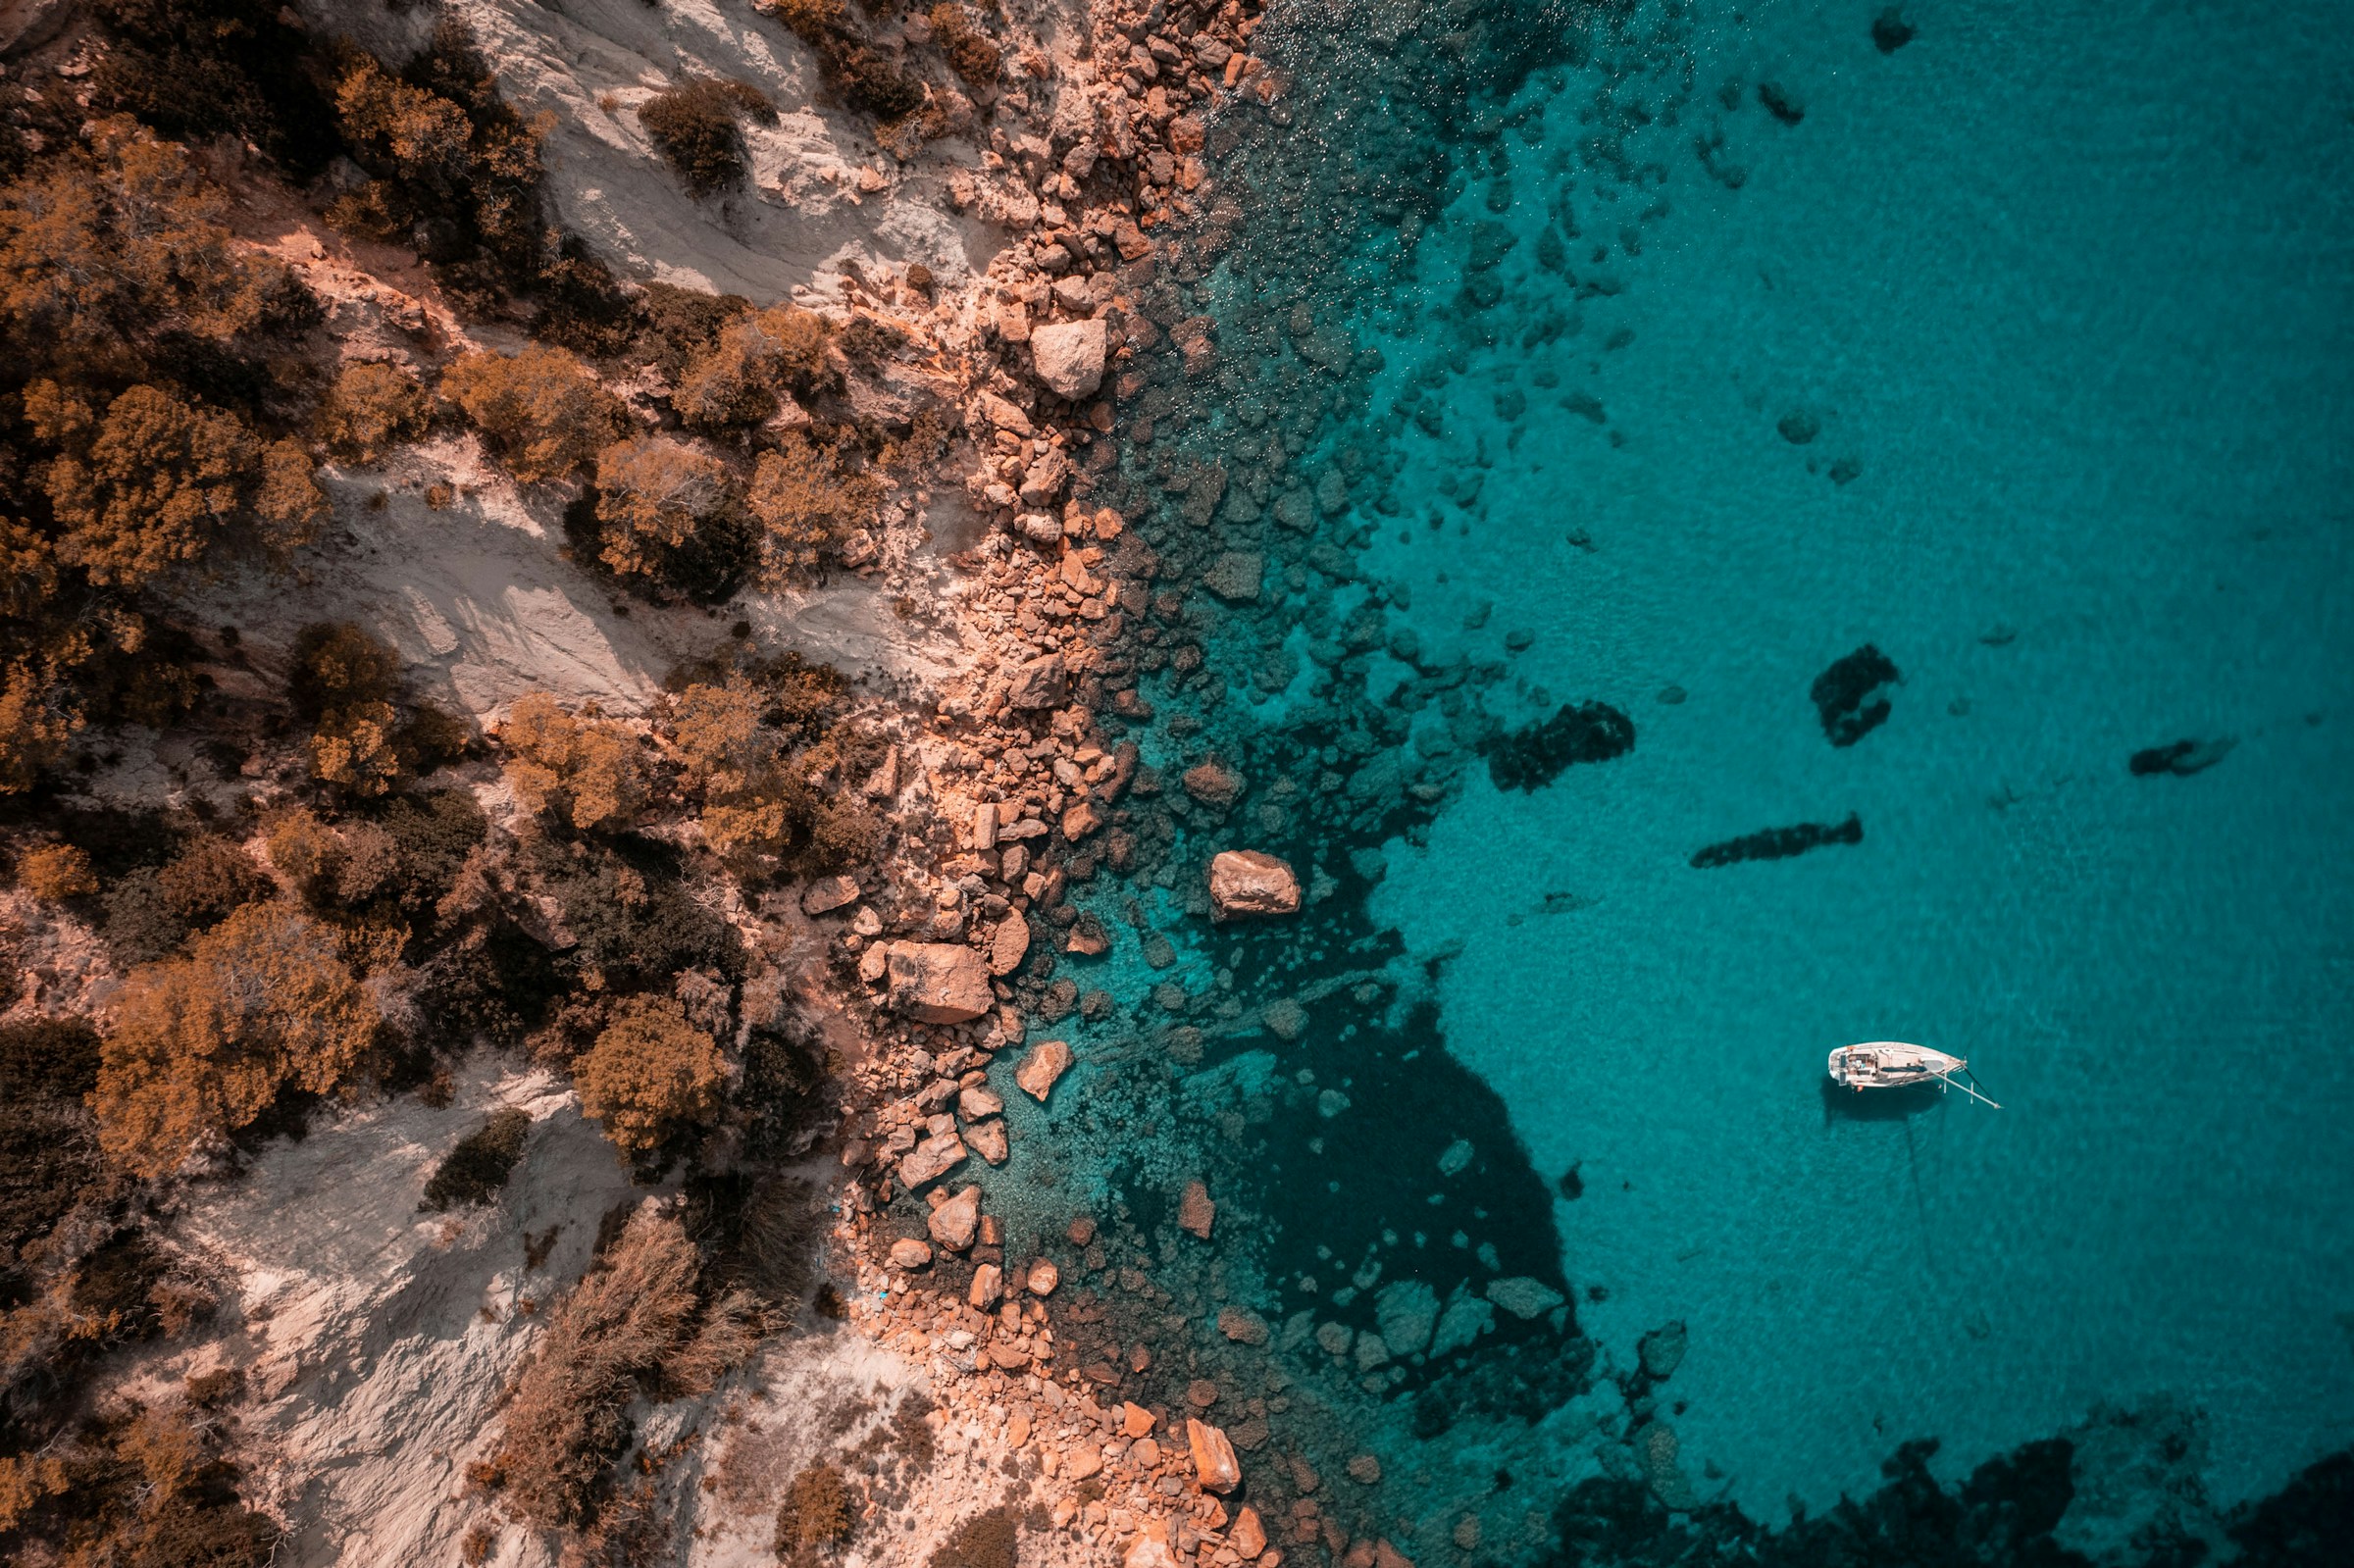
{"points": [[806, 957]]}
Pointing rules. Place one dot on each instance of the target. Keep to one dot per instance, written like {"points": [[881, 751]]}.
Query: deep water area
{"points": [[1707, 534]]}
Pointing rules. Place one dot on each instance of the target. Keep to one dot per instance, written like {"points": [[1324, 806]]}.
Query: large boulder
{"points": [[1040, 683], [1070, 357], [1214, 1464], [938, 982], [1245, 882], [954, 1224], [1038, 1073]]}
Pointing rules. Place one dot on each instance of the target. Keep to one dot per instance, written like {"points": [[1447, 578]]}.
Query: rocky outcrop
{"points": [[938, 982], [1247, 882], [1779, 843], [1852, 696]]}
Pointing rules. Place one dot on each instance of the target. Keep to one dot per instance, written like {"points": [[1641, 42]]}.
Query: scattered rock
{"points": [[1195, 1211], [1135, 1420], [938, 982], [1048, 1061], [1407, 1310], [1214, 1463], [1152, 1550], [1523, 1297], [1213, 784], [1009, 943], [909, 1253], [1246, 881], [1235, 575], [1082, 1462], [955, 1223], [989, 1287], [988, 1139], [1285, 1018], [1662, 1351], [1365, 1470], [1465, 1319], [1243, 1325], [1851, 697], [2181, 758], [826, 894], [1043, 1278], [1779, 843], [1249, 1537], [1456, 1157], [932, 1159], [1068, 356], [1039, 683]]}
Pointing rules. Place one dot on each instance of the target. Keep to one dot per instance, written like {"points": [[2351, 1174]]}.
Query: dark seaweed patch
{"points": [[1535, 754], [1779, 843], [1852, 696], [2181, 758]]}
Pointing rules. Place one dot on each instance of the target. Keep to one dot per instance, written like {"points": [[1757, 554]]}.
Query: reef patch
{"points": [[2181, 758], [1852, 695], [1534, 755], [1779, 843]]}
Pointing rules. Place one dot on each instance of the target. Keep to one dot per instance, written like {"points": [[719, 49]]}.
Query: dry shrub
{"points": [[334, 663], [816, 1516], [650, 1075], [478, 1166], [806, 502], [158, 482], [588, 771], [542, 409], [854, 67], [567, 1418], [985, 1541], [736, 381], [654, 494], [204, 1043], [38, 718], [971, 53], [209, 879], [374, 408], [54, 873], [695, 125]]}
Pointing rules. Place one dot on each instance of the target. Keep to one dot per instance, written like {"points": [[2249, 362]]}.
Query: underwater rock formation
{"points": [[1535, 754], [2181, 758], [1890, 32], [1779, 843], [1851, 695], [1245, 882]]}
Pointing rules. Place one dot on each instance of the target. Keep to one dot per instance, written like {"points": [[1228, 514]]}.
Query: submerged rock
{"points": [[1038, 1073], [1890, 32], [1852, 696], [1523, 1297], [1408, 1310], [1662, 1351], [1781, 103], [1534, 755], [1245, 882], [1196, 1213], [2181, 758], [1779, 843]]}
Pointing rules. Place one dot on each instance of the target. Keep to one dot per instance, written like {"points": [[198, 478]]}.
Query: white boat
{"points": [[1893, 1064]]}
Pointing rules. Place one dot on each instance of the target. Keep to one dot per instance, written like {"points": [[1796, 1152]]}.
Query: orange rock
{"points": [[1249, 1537], [1195, 1211], [1214, 1463], [1135, 1420]]}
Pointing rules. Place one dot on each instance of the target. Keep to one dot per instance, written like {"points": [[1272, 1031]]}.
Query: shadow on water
{"points": [[1843, 1104]]}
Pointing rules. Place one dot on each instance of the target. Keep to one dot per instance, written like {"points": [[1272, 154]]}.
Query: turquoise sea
{"points": [[1663, 357], [2074, 287]]}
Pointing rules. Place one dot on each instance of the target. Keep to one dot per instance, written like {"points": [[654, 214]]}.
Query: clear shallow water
{"points": [[2072, 287]]}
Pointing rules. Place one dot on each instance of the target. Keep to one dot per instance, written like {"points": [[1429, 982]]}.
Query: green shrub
{"points": [[476, 1168], [199, 69], [695, 126], [676, 325], [851, 65], [985, 1541]]}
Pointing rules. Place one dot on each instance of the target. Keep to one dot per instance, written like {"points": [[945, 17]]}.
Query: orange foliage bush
{"points": [[652, 493], [204, 1043], [542, 409], [649, 1075], [806, 502], [588, 771]]}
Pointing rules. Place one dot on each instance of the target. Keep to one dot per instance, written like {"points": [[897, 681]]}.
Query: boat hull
{"points": [[1890, 1064]]}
